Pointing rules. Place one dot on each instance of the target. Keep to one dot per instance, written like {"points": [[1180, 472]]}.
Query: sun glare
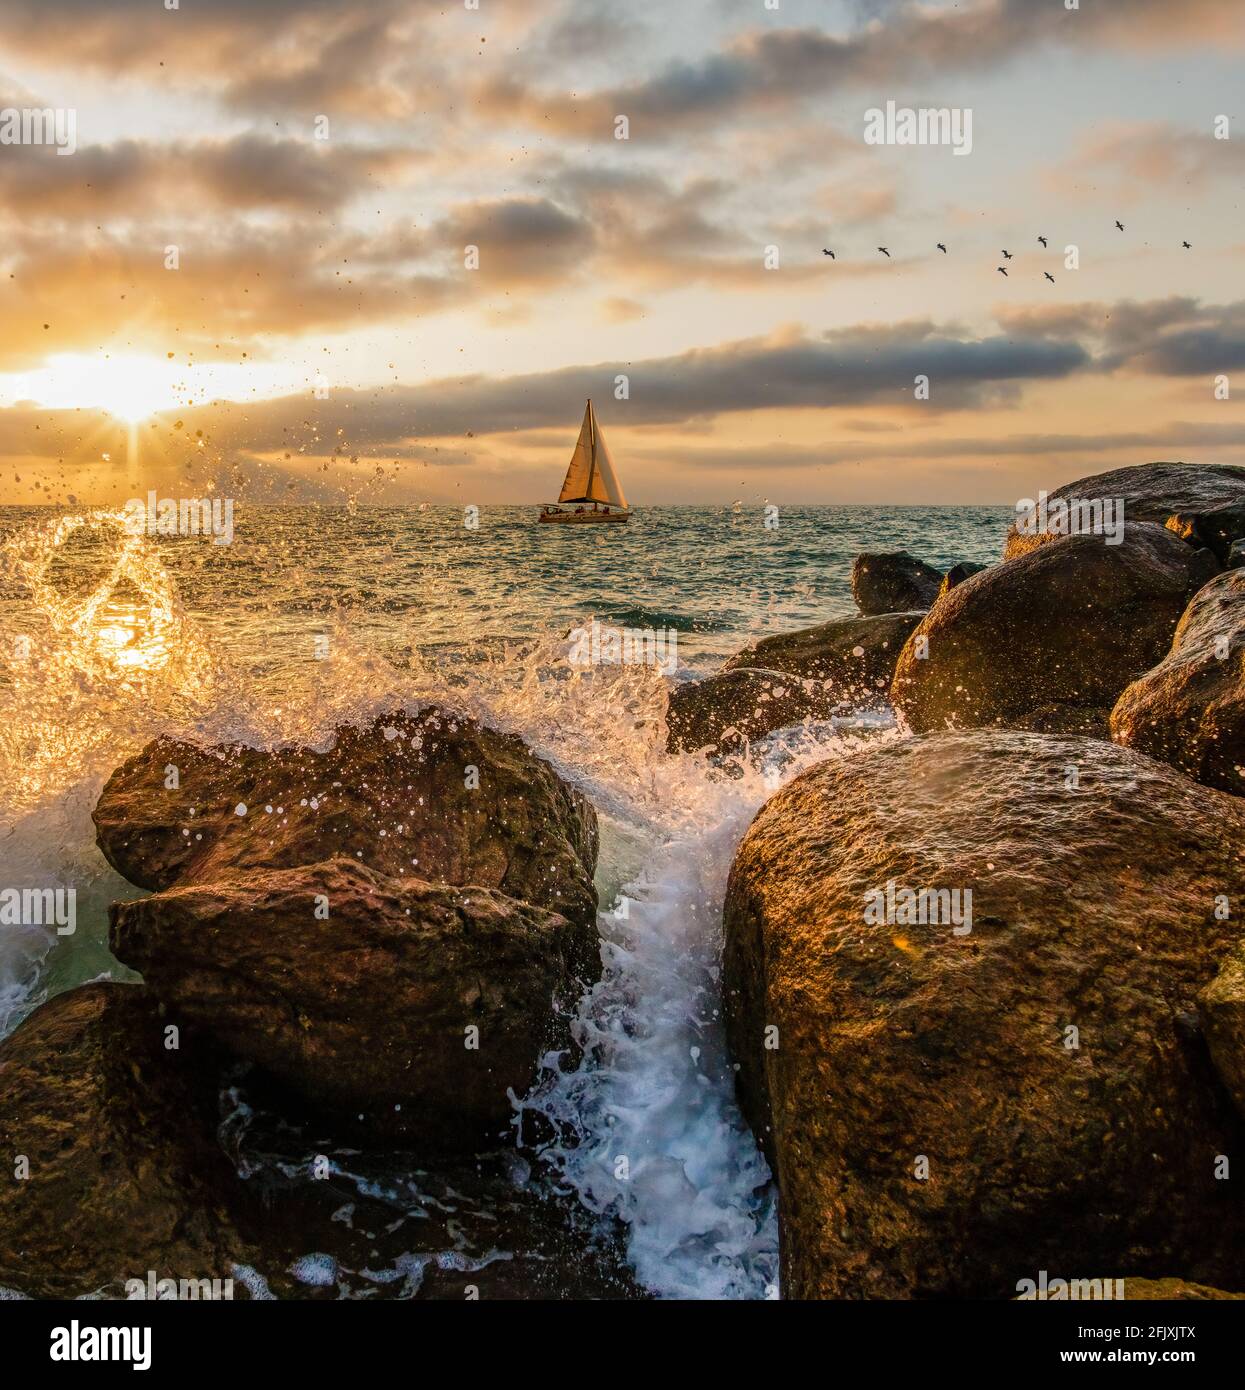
{"points": [[134, 400], [132, 387], [129, 386]]}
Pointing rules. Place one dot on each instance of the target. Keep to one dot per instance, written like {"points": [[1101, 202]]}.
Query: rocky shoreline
{"points": [[371, 947]]}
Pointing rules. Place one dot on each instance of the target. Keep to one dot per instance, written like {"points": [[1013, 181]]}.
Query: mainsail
{"points": [[591, 477]]}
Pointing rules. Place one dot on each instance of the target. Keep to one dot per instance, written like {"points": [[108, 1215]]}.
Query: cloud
{"points": [[521, 240], [619, 309], [787, 370], [230, 293], [1177, 336], [1128, 160], [772, 69], [246, 172]]}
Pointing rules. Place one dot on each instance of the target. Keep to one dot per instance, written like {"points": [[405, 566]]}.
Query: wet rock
{"points": [[893, 582], [128, 1179], [1061, 1290], [1189, 710], [1236, 555], [957, 574], [397, 795], [124, 1176], [949, 1112], [1221, 1007], [837, 667], [385, 1224], [1148, 1290], [406, 1008], [1149, 492], [1064, 627], [1217, 529]]}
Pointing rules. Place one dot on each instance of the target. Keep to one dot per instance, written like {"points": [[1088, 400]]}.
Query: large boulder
{"points": [[1049, 640], [839, 666], [1222, 1008], [1149, 492], [1189, 710], [432, 795], [133, 1174], [893, 582], [948, 1112], [405, 1007], [123, 1176]]}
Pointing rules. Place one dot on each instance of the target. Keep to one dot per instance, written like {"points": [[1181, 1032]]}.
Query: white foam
{"points": [[317, 1269], [654, 1086], [649, 1130]]}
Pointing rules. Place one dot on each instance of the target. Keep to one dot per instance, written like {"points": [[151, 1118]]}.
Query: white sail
{"points": [[579, 474], [591, 476], [605, 476]]}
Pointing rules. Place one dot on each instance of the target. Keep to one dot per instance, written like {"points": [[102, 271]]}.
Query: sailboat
{"points": [[591, 491]]}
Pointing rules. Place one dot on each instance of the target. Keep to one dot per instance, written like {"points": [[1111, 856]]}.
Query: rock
{"points": [[1236, 555], [1221, 1006], [1149, 492], [1217, 529], [1190, 709], [810, 674], [393, 794], [957, 574], [1129, 1290], [1148, 1290], [863, 1046], [124, 1176], [893, 582], [366, 1011], [1064, 627], [128, 1176]]}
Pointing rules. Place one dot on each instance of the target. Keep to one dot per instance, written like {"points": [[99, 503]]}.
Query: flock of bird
{"points": [[1007, 255]]}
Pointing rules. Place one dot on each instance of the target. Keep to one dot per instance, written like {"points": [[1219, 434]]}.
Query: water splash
{"points": [[112, 658], [647, 1131], [105, 652]]}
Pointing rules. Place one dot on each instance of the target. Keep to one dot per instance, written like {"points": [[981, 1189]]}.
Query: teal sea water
{"points": [[313, 617]]}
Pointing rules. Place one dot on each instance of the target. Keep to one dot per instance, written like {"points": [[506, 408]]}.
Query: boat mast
{"points": [[592, 435]]}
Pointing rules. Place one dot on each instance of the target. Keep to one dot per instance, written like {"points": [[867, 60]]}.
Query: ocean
{"points": [[314, 617]]}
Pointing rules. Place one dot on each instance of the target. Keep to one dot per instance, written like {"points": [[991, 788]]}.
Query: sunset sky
{"points": [[323, 339]]}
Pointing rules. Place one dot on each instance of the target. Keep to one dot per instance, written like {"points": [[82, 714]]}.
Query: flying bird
{"points": [[824, 252], [1049, 276], [1007, 255], [885, 252], [1042, 239], [1119, 224], [1186, 246], [1002, 271], [941, 247]]}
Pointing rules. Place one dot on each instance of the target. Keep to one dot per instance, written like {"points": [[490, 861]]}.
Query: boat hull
{"points": [[583, 518]]}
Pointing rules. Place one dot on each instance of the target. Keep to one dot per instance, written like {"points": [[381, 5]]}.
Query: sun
{"points": [[136, 398], [131, 387]]}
